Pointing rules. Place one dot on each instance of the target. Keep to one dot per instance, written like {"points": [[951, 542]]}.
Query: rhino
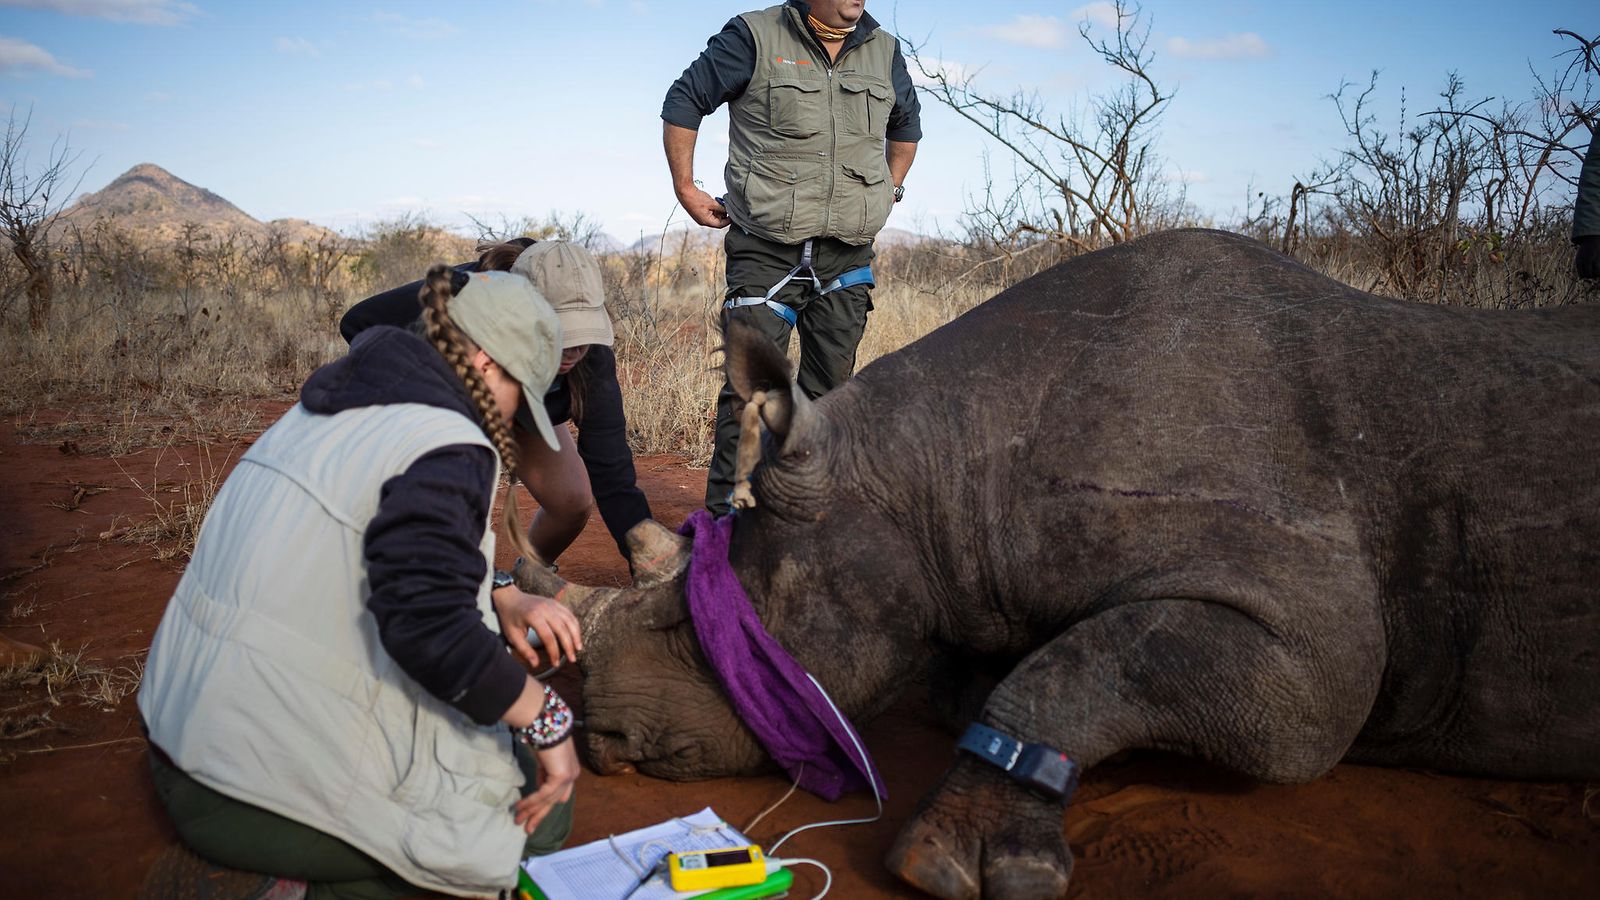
{"points": [[1183, 494]]}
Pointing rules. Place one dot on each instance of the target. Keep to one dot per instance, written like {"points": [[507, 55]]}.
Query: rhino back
{"points": [[1101, 423]]}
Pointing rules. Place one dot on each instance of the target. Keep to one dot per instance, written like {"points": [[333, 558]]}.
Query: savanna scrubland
{"points": [[139, 364]]}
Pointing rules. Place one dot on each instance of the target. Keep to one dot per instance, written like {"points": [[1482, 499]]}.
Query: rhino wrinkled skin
{"points": [[1187, 494]]}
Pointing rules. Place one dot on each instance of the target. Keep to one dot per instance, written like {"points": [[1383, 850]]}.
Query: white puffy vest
{"points": [[267, 681]]}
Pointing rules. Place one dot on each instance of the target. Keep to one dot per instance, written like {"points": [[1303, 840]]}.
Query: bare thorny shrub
{"points": [[1083, 180], [1463, 203], [1466, 202]]}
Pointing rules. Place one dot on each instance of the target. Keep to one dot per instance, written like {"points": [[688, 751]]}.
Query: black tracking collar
{"points": [[1041, 769]]}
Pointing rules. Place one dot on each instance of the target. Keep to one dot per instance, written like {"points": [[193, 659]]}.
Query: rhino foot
{"points": [[980, 835]]}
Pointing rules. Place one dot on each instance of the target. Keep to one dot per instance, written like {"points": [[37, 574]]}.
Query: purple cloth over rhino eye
{"points": [[771, 693]]}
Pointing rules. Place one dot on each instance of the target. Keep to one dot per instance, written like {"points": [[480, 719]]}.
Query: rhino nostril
{"points": [[609, 753]]}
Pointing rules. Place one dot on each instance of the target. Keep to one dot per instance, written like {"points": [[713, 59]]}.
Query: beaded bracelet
{"points": [[552, 726]]}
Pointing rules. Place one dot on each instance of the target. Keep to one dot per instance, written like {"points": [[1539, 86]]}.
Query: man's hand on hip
{"points": [[703, 208]]}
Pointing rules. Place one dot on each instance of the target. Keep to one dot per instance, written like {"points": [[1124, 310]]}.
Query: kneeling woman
{"points": [[326, 692], [597, 470]]}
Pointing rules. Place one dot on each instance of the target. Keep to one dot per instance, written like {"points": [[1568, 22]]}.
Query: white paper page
{"points": [[595, 871]]}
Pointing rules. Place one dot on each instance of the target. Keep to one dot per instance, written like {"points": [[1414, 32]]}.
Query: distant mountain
{"points": [[151, 202]]}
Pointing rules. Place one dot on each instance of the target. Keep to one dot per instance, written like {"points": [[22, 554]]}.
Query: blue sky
{"points": [[347, 112]]}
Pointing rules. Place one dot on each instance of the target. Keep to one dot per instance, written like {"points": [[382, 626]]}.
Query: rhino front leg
{"points": [[1186, 675]]}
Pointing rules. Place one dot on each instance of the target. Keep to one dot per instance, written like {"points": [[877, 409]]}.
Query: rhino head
{"points": [[823, 565]]}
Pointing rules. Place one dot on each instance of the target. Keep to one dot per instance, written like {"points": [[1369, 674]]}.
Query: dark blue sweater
{"points": [[424, 562]]}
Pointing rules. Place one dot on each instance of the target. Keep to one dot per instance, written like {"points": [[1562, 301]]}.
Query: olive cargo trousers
{"points": [[237, 835], [830, 327]]}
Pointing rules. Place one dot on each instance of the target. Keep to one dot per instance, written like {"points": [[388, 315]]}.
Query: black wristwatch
{"points": [[1040, 768], [899, 192], [502, 578]]}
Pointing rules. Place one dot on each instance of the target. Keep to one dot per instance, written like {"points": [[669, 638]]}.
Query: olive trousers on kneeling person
{"points": [[237, 835]]}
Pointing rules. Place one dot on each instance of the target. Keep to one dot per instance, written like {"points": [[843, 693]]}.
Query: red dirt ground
{"points": [[78, 815]]}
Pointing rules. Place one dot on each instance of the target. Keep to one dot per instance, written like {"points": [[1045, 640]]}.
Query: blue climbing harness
{"points": [[786, 312]]}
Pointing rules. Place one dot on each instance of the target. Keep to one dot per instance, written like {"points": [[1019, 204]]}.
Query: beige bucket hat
{"points": [[569, 277], [504, 314]]}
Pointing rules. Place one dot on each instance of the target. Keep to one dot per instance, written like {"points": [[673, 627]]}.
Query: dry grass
{"points": [[667, 314], [178, 508], [66, 675], [140, 364], [61, 677]]}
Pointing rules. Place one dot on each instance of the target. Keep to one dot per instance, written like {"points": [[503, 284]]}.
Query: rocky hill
{"points": [[152, 203]]}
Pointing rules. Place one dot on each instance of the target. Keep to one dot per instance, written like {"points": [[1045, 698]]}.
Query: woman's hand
{"points": [[558, 772], [556, 626]]}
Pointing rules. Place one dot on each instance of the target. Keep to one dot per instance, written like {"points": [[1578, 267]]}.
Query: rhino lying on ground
{"points": [[1193, 496]]}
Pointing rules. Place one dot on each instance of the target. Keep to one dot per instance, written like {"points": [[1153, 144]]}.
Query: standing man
{"points": [[823, 122], [1586, 214]]}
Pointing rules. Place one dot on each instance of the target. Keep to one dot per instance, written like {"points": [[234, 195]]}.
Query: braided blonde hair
{"points": [[442, 283]]}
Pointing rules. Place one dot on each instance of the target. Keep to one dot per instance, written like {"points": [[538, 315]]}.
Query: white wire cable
{"points": [[750, 825], [827, 874], [866, 764]]}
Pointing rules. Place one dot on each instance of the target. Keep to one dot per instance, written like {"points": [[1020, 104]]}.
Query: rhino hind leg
{"points": [[1185, 675]]}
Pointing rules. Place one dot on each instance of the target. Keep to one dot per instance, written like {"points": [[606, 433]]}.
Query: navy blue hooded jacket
{"points": [[424, 561]]}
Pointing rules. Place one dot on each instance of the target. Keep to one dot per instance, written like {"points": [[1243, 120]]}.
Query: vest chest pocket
{"points": [[864, 106], [796, 107]]}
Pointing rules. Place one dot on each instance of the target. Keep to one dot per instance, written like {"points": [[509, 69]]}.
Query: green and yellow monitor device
{"points": [[707, 870]]}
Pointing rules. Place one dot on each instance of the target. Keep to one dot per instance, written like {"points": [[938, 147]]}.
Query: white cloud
{"points": [[140, 12], [1045, 32], [18, 57], [1248, 45], [1101, 13], [428, 144], [296, 46], [411, 27], [1186, 176], [158, 97], [415, 81]]}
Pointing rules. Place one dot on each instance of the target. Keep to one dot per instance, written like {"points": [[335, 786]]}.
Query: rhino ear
{"points": [[536, 579], [755, 364], [658, 555]]}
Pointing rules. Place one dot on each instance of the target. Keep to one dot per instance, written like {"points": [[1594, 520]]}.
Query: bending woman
{"points": [[596, 470], [328, 693]]}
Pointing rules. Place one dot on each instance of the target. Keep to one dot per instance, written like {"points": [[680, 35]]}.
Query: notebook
{"points": [[609, 868]]}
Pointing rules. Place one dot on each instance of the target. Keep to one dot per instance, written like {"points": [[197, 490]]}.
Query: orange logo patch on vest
{"points": [[793, 62]]}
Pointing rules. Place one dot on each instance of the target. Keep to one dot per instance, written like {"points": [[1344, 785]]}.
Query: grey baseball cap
{"points": [[504, 314], [568, 276]]}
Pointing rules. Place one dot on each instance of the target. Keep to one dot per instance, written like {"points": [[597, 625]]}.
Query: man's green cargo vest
{"points": [[806, 138]]}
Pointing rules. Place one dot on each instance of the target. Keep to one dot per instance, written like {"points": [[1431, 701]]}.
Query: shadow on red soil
{"points": [[78, 815]]}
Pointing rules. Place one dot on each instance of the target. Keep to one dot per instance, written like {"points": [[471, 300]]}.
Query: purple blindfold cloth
{"points": [[771, 692]]}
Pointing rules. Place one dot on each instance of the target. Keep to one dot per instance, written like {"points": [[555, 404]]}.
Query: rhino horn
{"points": [[754, 364], [657, 553]]}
